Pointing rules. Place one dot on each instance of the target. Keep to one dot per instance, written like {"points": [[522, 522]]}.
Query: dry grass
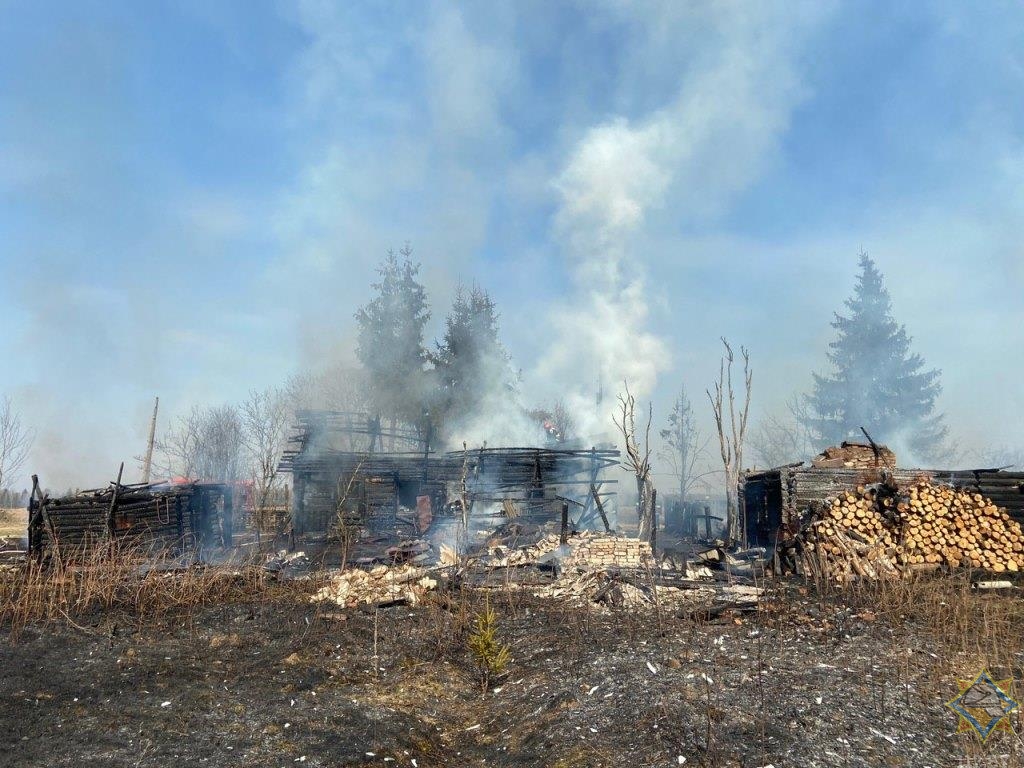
{"points": [[122, 577], [963, 630], [969, 626], [13, 522]]}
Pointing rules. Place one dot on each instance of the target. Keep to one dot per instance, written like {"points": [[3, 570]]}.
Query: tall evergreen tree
{"points": [[390, 340], [877, 382], [470, 363]]}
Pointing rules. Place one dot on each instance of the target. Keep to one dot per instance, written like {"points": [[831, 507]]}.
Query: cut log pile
{"points": [[380, 586], [881, 532]]}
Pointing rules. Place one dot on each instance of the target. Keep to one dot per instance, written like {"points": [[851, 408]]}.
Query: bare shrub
{"points": [[732, 430]]}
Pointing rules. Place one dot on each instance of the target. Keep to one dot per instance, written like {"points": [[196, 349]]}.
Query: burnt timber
{"points": [[158, 516], [348, 467]]}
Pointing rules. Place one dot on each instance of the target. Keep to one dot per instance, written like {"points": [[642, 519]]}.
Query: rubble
{"points": [[584, 550], [380, 586], [689, 597]]}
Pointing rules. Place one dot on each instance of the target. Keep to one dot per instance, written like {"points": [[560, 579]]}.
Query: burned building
{"points": [[159, 516], [349, 468]]}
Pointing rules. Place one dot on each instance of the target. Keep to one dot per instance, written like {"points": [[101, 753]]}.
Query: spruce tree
{"points": [[390, 339], [470, 363], [877, 382]]}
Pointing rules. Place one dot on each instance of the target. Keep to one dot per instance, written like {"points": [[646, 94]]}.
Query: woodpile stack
{"points": [[880, 532], [854, 456]]}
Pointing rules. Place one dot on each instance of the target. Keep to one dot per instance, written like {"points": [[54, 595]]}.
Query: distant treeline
{"points": [[11, 498]]}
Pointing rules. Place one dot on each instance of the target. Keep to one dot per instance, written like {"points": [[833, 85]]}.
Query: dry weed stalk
{"points": [[122, 575]]}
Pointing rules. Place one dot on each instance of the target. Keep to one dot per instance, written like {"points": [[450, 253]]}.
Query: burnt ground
{"points": [[281, 682]]}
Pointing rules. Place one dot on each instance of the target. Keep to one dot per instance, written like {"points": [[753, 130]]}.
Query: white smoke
{"points": [[699, 151]]}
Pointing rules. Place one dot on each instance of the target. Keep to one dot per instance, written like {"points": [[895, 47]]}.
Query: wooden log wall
{"points": [[535, 477], [158, 516]]}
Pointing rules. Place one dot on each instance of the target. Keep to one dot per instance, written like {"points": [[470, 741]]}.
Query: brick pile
{"points": [[603, 551], [588, 550]]}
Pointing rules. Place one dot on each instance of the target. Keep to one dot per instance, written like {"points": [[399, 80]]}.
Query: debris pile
{"points": [[616, 589], [854, 456], [380, 586], [879, 532], [584, 550], [602, 551]]}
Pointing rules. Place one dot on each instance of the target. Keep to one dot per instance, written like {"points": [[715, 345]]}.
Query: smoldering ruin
{"points": [[435, 574], [409, 566]]}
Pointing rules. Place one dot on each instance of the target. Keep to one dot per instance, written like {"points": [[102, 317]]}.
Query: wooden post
{"points": [[593, 479], [42, 519], [177, 514], [147, 465], [564, 538], [227, 528], [600, 508], [35, 519], [654, 523], [113, 503], [299, 504]]}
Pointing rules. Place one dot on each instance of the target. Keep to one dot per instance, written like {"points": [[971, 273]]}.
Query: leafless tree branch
{"points": [[15, 442], [638, 457], [732, 429]]}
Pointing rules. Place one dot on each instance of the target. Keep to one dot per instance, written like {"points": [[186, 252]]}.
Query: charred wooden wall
{"points": [[158, 516], [367, 489], [349, 465]]}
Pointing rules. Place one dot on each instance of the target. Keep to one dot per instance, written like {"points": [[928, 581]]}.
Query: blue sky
{"points": [[193, 195]]}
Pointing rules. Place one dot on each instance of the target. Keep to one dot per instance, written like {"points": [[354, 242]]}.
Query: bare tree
{"points": [[638, 457], [779, 440], [563, 421], [204, 444], [732, 431], [264, 433], [684, 445], [178, 449], [339, 388], [220, 455], [15, 442]]}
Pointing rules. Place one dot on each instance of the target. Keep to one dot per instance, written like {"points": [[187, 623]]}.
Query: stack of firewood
{"points": [[878, 532]]}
